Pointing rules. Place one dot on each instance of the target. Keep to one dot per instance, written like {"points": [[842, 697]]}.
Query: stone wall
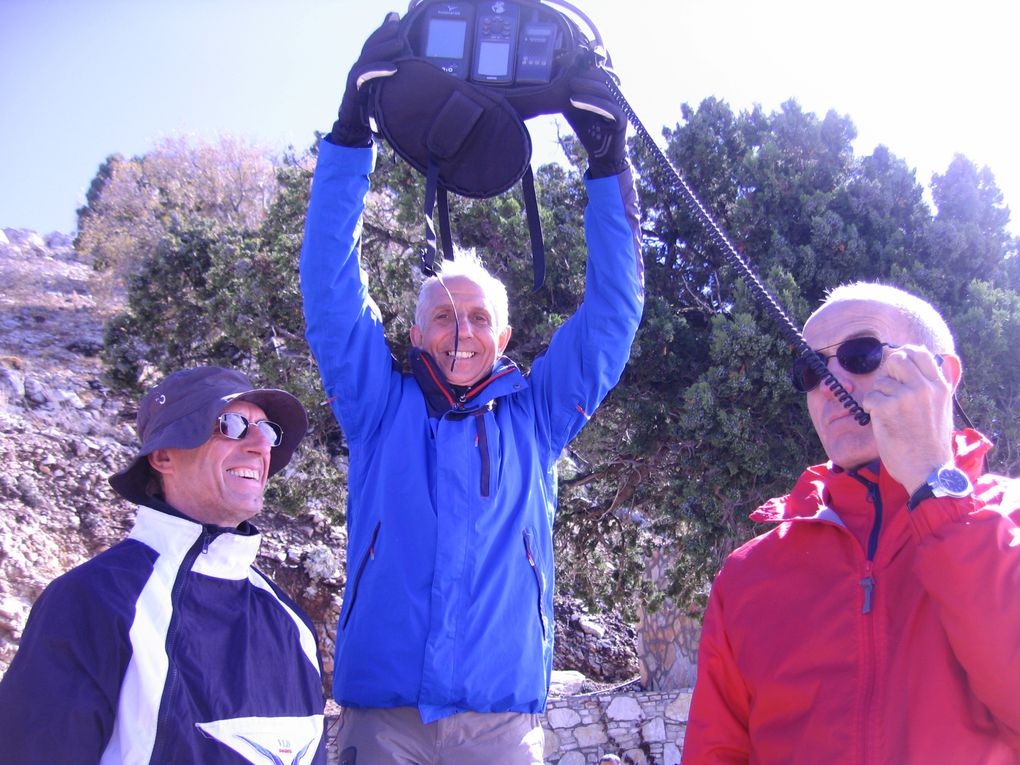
{"points": [[667, 638], [643, 728]]}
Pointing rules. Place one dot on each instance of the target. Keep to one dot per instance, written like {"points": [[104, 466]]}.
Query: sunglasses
{"points": [[858, 356], [235, 426]]}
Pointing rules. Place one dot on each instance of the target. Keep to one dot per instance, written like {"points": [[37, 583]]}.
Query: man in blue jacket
{"points": [[445, 641], [159, 649]]}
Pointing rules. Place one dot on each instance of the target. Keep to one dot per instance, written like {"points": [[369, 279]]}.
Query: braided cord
{"points": [[718, 237]]}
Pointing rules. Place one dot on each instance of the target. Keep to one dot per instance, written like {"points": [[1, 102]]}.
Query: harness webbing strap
{"points": [[534, 226], [428, 252], [445, 234]]}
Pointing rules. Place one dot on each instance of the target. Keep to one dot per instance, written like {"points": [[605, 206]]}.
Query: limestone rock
{"points": [[624, 708], [566, 682], [562, 718], [590, 735]]}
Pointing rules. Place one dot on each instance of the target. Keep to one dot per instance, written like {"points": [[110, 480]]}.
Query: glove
{"points": [[376, 60], [598, 122]]}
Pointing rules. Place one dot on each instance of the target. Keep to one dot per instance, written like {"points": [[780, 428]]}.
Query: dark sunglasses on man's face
{"points": [[858, 356], [235, 426]]}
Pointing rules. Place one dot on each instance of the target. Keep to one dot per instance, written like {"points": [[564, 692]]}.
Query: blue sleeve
{"points": [[58, 699], [343, 325], [587, 355]]}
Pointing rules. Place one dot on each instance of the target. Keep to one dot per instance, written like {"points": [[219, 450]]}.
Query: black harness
{"points": [[464, 132]]}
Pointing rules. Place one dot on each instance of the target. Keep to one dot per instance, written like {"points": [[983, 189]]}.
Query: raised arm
{"points": [[588, 353], [343, 326], [968, 561], [968, 547]]}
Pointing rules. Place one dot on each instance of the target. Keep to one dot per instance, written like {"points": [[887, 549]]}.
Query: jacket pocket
{"points": [[537, 571], [369, 555]]}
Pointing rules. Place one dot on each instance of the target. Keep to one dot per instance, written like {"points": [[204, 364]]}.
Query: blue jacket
{"points": [[157, 650], [449, 591]]}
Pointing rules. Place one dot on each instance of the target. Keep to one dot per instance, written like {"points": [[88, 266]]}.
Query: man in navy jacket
{"points": [[445, 641], [170, 647]]}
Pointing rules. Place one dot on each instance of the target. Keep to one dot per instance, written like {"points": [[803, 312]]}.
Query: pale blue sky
{"points": [[82, 80]]}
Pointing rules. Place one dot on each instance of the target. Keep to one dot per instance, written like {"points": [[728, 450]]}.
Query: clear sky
{"points": [[82, 79]]}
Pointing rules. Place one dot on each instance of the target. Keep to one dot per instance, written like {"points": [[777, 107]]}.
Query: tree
{"points": [[718, 430], [704, 426], [132, 204]]}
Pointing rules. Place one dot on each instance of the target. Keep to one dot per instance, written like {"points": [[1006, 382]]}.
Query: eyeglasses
{"points": [[858, 356], [235, 426]]}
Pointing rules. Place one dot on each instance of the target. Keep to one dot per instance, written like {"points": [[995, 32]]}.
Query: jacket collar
{"points": [[440, 397], [813, 495], [227, 553]]}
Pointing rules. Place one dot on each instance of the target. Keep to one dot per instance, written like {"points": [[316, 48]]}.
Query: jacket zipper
{"points": [[369, 555], [868, 581], [200, 546], [538, 579], [868, 585], [483, 451], [458, 403]]}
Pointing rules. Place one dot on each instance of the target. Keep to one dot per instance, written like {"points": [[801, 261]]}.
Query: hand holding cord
{"points": [[597, 120], [376, 60]]}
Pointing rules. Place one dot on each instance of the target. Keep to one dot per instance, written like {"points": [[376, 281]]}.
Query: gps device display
{"points": [[446, 37], [496, 42]]}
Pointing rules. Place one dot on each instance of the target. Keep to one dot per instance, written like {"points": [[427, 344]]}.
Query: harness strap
{"points": [[444, 222], [534, 226], [427, 254]]}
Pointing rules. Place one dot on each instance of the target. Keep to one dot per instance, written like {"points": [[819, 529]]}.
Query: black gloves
{"points": [[376, 60], [598, 121]]}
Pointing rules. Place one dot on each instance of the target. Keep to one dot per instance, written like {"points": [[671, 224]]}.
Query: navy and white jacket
{"points": [[451, 497], [170, 647]]}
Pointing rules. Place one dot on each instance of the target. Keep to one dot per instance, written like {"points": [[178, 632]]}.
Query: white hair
{"points": [[927, 323], [466, 263]]}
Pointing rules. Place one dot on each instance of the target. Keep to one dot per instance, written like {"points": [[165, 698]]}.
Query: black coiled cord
{"points": [[729, 252]]}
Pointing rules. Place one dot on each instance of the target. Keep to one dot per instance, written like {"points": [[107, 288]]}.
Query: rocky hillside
{"points": [[63, 431]]}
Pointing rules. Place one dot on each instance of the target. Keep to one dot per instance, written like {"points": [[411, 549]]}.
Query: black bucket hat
{"points": [[179, 413]]}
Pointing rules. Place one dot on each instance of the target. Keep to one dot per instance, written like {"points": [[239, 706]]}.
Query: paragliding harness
{"points": [[455, 108], [455, 111]]}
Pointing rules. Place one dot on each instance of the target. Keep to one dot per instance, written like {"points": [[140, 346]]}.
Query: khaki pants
{"points": [[398, 737]]}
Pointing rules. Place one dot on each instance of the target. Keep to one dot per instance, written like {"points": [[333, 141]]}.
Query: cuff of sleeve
{"points": [[931, 513], [351, 135], [608, 186], [352, 160]]}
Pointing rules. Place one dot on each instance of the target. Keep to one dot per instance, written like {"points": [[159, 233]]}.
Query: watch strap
{"points": [[919, 496], [936, 485]]}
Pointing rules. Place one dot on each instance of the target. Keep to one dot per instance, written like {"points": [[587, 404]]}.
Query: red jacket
{"points": [[858, 632]]}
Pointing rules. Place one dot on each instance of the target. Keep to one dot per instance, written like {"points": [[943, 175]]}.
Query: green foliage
{"points": [[132, 203], [726, 431], [213, 293], [704, 426]]}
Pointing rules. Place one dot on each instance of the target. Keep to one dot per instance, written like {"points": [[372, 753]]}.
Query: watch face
{"points": [[954, 482]]}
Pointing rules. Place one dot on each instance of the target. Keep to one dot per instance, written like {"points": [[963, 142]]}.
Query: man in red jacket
{"points": [[878, 621]]}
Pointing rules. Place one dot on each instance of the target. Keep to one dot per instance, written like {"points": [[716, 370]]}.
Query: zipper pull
{"points": [[527, 550], [868, 583]]}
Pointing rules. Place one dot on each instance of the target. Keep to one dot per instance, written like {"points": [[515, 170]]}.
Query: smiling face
{"points": [[846, 442], [481, 341], [221, 481]]}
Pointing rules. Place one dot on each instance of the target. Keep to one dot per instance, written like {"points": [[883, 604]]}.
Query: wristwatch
{"points": [[945, 481]]}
